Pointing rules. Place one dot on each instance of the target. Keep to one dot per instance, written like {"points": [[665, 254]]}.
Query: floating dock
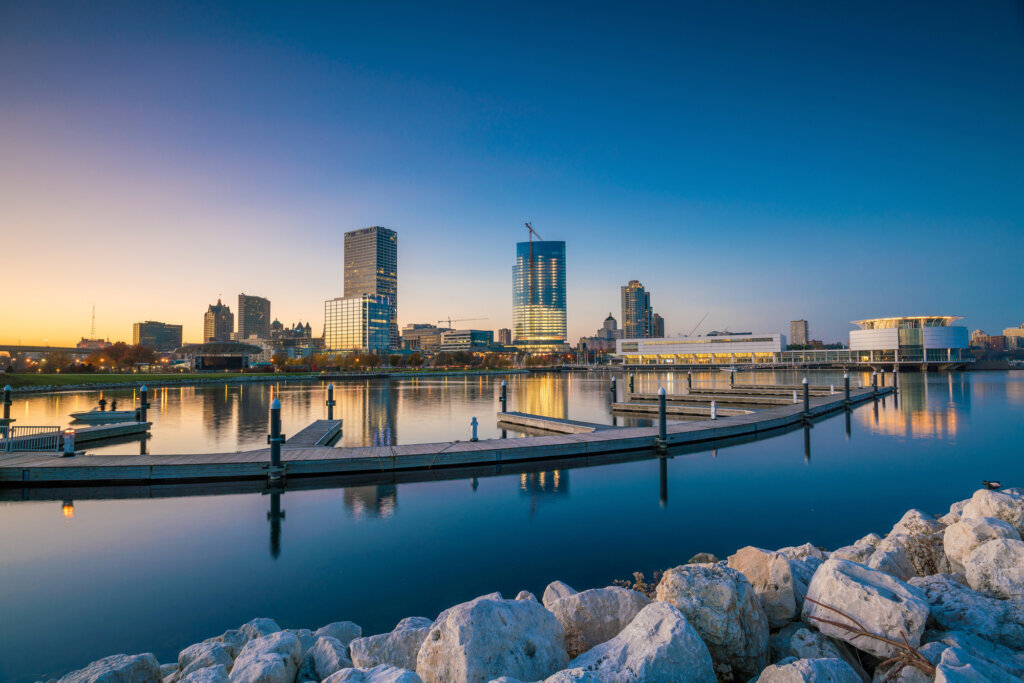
{"points": [[648, 409], [320, 433], [548, 424], [49, 469], [718, 397], [109, 431]]}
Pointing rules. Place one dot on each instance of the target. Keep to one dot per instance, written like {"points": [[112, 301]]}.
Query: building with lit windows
{"points": [[723, 349], [157, 336], [218, 323], [1014, 338], [467, 340], [637, 315], [505, 336], [371, 268], [657, 325], [538, 297], [909, 339], [357, 323], [253, 317]]}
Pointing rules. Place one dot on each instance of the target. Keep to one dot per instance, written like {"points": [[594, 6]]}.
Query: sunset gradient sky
{"points": [[758, 161]]}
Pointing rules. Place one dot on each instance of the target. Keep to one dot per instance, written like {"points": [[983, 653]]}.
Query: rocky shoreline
{"points": [[935, 599]]}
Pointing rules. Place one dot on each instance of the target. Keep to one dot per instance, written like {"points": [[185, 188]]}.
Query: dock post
{"points": [[614, 392], [504, 396], [895, 378], [689, 380], [714, 410], [874, 383], [631, 378], [732, 377], [881, 378], [807, 397], [330, 402], [846, 388], [275, 439], [473, 423], [7, 402], [143, 403], [69, 443], [662, 420]]}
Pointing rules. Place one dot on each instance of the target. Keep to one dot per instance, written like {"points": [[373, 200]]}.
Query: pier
{"points": [[320, 433], [49, 469], [548, 424]]}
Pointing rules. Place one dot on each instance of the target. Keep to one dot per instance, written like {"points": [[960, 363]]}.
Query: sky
{"points": [[755, 162]]}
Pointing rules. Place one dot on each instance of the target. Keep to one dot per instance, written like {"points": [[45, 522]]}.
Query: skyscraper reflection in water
{"points": [[380, 502]]}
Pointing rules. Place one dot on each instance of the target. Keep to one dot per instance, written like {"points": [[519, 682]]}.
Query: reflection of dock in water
{"points": [[543, 484]]}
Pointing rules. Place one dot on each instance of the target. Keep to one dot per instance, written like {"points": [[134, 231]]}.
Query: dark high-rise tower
{"points": [[253, 317], [371, 267], [218, 323], [637, 316]]}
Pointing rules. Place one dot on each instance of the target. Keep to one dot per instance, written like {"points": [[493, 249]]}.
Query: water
{"points": [[157, 574]]}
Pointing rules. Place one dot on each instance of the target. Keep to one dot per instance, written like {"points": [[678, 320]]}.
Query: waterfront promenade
{"points": [[49, 469]]}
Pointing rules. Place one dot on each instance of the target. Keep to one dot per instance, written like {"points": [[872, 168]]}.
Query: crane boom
{"points": [[698, 324], [457, 320], [533, 288]]}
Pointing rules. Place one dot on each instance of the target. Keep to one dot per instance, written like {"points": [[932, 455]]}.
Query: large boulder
{"points": [[1007, 505], [272, 658], [770, 575], [955, 607], [912, 548], [490, 637], [344, 631], [802, 552], [996, 568], [658, 646], [526, 595], [792, 670], [555, 591], [210, 674], [398, 648], [259, 627], [703, 558], [956, 511], [859, 551], [594, 616], [202, 655], [378, 674], [323, 659], [970, 658], [142, 668], [723, 608], [801, 642], [888, 673], [884, 605], [961, 538]]}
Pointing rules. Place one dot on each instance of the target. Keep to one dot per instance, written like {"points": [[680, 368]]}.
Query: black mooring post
{"points": [[143, 403], [614, 393], [275, 439], [632, 377], [7, 402], [689, 380], [846, 387], [504, 396], [330, 402], [662, 422], [807, 397]]}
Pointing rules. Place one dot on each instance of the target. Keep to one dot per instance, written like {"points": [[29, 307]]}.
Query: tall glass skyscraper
{"points": [[371, 267], [538, 297], [637, 316], [357, 323]]}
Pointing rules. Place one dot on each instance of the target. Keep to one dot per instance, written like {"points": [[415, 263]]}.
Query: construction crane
{"points": [[698, 324], [457, 320], [533, 292]]}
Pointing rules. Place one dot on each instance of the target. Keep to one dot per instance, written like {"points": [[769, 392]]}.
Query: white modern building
{"points": [[909, 339], [726, 349]]}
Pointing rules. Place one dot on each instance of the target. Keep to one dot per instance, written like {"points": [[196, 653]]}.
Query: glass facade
{"points": [[538, 297], [637, 316], [371, 267], [253, 317], [358, 323]]}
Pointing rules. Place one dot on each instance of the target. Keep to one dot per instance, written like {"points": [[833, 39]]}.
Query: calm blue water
{"points": [[159, 574]]}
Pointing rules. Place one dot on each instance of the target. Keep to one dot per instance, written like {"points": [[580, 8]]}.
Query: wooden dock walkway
{"points": [[108, 431], [718, 397], [549, 424], [648, 409], [49, 469], [320, 433]]}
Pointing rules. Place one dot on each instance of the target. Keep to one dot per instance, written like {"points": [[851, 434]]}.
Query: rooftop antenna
{"points": [[698, 324]]}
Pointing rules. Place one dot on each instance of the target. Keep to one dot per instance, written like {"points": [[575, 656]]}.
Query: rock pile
{"points": [[947, 593]]}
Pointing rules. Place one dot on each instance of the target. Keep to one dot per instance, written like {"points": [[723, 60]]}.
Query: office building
{"points": [[505, 336], [637, 315], [657, 326], [422, 336], [538, 297], [798, 335], [910, 339], [603, 341], [1014, 338], [157, 336], [357, 323], [253, 317], [371, 268], [218, 323], [467, 340], [609, 329]]}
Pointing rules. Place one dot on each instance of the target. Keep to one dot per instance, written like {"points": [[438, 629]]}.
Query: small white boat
{"points": [[98, 417]]}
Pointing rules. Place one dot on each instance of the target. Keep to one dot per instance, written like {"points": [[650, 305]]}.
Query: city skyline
{"points": [[866, 163]]}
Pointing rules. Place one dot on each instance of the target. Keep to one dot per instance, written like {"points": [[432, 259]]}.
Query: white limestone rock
{"points": [[914, 547], [720, 604], [801, 552], [996, 569], [344, 631], [703, 558], [568, 676], [555, 591], [908, 674], [142, 668], [771, 576], [487, 637], [210, 674], [807, 643], [398, 648], [306, 639], [202, 655], [859, 551], [168, 669], [960, 539], [658, 646], [594, 616], [378, 674], [792, 670], [273, 658], [956, 511], [327, 656], [257, 628], [232, 641], [970, 658], [1007, 505], [883, 604], [526, 595], [955, 607]]}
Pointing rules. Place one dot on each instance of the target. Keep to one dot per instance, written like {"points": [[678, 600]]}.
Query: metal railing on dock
{"points": [[16, 439]]}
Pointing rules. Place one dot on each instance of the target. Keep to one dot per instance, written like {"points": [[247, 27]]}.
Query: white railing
{"points": [[14, 438]]}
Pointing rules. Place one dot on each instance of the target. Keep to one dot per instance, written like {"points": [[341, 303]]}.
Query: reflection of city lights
{"points": [[68, 509]]}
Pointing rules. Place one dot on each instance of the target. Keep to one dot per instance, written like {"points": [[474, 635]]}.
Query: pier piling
{"points": [[330, 402], [807, 397], [143, 403], [714, 410], [614, 393], [732, 378], [7, 402], [689, 379], [504, 396], [632, 377], [275, 439], [846, 388], [662, 418], [874, 383]]}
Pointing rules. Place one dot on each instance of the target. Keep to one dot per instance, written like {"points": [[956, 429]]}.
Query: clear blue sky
{"points": [[758, 161]]}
